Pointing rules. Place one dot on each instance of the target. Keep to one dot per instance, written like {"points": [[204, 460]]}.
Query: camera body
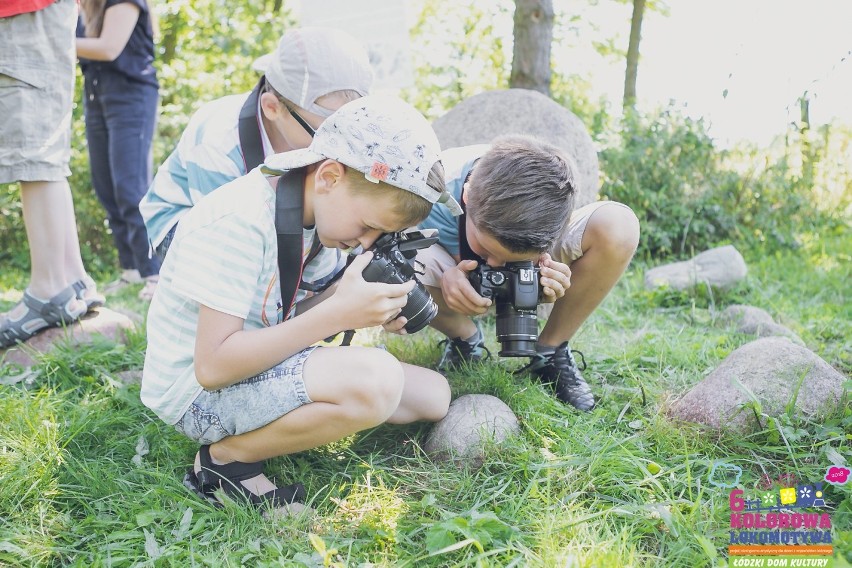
{"points": [[514, 288], [393, 262]]}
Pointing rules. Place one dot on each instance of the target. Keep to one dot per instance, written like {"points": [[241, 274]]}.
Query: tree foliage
{"points": [[688, 194]]}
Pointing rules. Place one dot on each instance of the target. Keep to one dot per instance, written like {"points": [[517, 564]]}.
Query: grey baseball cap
{"points": [[314, 61], [382, 137]]}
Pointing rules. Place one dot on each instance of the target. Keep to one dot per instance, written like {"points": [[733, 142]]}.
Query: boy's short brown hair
{"points": [[521, 192]]}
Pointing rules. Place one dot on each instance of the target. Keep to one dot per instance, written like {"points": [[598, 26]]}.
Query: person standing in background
{"points": [[36, 95], [115, 45]]}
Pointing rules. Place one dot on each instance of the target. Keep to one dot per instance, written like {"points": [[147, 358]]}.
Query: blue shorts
{"points": [[249, 404]]}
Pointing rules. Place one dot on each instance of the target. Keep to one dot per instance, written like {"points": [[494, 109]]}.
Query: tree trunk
{"points": [[805, 136], [633, 54], [531, 53]]}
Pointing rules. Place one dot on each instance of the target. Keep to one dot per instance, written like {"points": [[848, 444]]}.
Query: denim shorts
{"points": [[249, 404]]}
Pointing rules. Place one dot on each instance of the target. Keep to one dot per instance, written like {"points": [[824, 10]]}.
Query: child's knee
{"points": [[377, 385], [615, 228], [438, 403]]}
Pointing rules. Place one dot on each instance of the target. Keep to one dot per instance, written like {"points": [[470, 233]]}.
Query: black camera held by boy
{"points": [[514, 288], [393, 262]]}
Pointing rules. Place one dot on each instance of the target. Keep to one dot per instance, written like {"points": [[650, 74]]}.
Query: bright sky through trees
{"points": [[765, 53], [742, 64]]}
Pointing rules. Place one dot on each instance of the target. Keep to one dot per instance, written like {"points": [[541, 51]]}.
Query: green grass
{"points": [[89, 477]]}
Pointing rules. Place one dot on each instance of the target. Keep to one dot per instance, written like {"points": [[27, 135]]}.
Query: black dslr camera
{"points": [[393, 262], [515, 289]]}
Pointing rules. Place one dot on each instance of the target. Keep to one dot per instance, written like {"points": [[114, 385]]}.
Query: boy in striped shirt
{"points": [[235, 370]]}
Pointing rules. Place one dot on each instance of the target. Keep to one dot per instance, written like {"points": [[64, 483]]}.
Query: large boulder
{"points": [[771, 369], [101, 322], [472, 423], [483, 117], [721, 267]]}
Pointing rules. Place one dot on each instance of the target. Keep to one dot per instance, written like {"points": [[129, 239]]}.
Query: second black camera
{"points": [[514, 288]]}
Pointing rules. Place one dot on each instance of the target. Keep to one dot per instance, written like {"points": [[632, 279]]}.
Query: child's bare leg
{"points": [[425, 396], [609, 241], [353, 388], [73, 259]]}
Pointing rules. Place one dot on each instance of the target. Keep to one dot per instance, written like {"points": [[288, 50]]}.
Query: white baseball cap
{"points": [[382, 137], [313, 61]]}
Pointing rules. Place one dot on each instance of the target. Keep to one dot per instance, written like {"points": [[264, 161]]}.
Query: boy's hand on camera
{"points": [[361, 304], [459, 294], [554, 277], [396, 325]]}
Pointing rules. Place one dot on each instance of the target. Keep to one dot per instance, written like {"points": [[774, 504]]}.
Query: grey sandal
{"points": [[63, 309], [87, 290]]}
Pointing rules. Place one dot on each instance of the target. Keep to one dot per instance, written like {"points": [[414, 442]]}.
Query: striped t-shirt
{"points": [[208, 155], [225, 256]]}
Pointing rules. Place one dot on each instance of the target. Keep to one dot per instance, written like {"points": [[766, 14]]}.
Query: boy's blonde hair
{"points": [[410, 208]]}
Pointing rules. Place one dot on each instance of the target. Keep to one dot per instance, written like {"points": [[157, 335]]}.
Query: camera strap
{"points": [[289, 203], [465, 252], [249, 126], [289, 207]]}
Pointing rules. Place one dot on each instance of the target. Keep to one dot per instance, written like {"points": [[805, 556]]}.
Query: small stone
{"points": [[472, 423]]}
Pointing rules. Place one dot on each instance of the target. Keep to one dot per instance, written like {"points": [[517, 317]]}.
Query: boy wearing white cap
{"points": [[311, 74], [231, 364]]}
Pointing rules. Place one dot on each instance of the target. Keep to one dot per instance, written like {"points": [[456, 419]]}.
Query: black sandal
{"points": [[228, 477], [22, 324]]}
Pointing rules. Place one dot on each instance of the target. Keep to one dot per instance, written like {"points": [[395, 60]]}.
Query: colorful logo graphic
{"points": [[837, 475], [782, 522]]}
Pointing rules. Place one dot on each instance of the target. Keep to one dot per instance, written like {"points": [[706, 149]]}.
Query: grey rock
{"points": [[770, 368], [472, 423], [744, 317], [755, 321], [99, 322], [485, 116], [132, 377], [721, 267]]}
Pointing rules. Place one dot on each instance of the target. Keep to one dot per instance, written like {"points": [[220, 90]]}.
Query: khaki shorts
{"points": [[437, 260], [37, 61]]}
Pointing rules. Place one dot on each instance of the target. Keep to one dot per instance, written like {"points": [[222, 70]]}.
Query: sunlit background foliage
{"points": [[688, 193]]}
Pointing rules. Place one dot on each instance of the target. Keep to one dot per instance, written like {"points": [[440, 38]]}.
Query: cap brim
{"points": [[285, 161], [261, 64]]}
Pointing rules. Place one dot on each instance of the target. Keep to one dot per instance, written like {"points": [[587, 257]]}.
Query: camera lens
{"points": [[420, 309], [517, 331]]}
